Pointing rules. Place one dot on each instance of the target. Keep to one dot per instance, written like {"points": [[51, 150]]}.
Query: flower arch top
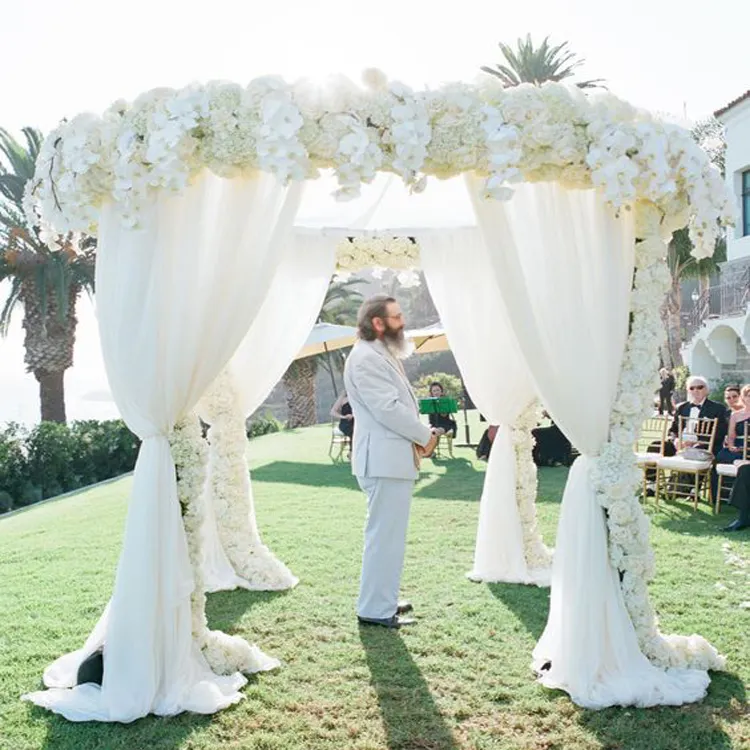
{"points": [[553, 132]]}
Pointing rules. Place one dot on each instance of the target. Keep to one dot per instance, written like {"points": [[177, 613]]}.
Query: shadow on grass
{"points": [[309, 475], [679, 516], [410, 715], [151, 731], [461, 480], [530, 604], [696, 726], [224, 609], [693, 727]]}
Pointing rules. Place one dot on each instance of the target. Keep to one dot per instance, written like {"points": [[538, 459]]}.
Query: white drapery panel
{"points": [[277, 333], [459, 274], [175, 299], [564, 267], [286, 318]]}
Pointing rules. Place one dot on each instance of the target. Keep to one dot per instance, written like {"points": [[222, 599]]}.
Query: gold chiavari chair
{"points": [[649, 446], [688, 475], [730, 470]]}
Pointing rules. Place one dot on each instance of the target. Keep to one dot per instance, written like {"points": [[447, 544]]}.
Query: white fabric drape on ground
{"points": [[462, 283], [278, 332], [175, 299], [564, 266]]}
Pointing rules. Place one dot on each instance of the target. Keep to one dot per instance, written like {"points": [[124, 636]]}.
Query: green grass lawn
{"points": [[459, 678]]}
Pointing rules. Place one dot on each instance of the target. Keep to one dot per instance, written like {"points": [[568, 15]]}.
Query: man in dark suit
{"points": [[699, 406], [740, 499]]}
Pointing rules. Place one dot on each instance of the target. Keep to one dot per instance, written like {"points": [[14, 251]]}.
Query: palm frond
{"points": [[20, 160], [11, 302], [529, 64]]}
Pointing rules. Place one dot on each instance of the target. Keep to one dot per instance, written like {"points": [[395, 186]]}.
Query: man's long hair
{"points": [[374, 307]]}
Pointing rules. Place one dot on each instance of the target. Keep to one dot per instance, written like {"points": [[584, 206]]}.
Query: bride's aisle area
{"points": [[460, 678]]}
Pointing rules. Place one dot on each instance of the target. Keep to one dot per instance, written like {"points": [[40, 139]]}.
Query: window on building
{"points": [[746, 203]]}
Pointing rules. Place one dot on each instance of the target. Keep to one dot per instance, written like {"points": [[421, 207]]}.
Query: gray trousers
{"points": [[388, 504]]}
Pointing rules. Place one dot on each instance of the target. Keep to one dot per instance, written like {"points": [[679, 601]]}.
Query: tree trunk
{"points": [[299, 380], [671, 317], [51, 395], [48, 342]]}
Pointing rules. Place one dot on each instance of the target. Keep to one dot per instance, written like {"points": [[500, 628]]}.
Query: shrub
{"points": [[52, 451], [263, 425], [55, 458], [6, 502], [681, 374], [451, 385], [13, 462], [103, 449]]}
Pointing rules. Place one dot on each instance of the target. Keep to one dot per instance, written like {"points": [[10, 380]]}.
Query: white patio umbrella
{"points": [[326, 338], [428, 340]]}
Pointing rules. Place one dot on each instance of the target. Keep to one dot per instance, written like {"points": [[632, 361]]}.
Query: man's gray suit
{"points": [[386, 426]]}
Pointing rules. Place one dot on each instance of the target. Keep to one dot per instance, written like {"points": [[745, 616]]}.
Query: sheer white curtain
{"points": [[175, 299], [277, 333], [457, 267], [564, 266]]}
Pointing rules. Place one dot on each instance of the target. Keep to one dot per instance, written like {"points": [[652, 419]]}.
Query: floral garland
{"points": [[225, 654], [538, 555], [552, 132], [616, 476], [379, 253], [231, 492]]}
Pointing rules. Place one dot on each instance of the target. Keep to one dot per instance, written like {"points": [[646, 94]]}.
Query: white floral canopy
{"points": [[552, 273]]}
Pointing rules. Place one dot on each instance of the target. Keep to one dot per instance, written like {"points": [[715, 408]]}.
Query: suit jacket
{"points": [[386, 414], [709, 410]]}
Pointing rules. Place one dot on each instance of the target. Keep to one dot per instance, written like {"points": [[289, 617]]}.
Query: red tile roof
{"points": [[731, 104]]}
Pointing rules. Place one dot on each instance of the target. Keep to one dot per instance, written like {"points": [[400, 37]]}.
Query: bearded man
{"points": [[389, 441]]}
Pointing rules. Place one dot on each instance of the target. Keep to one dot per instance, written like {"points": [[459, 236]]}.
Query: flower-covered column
{"points": [[225, 654], [230, 491], [538, 555], [617, 478]]}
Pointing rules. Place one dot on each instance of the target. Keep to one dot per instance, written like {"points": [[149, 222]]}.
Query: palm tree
{"points": [[527, 64], [709, 134], [339, 307], [45, 283], [682, 266]]}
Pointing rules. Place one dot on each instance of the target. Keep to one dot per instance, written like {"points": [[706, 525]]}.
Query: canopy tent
{"points": [[195, 270]]}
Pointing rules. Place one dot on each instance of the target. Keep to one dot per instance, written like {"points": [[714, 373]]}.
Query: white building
{"points": [[720, 346], [736, 120]]}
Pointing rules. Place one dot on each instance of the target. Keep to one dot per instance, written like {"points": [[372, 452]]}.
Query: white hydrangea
{"points": [[538, 556], [231, 493], [399, 253], [552, 132]]}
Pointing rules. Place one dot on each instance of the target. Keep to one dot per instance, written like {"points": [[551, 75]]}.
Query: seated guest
{"points": [[732, 399], [485, 444], [551, 447], [733, 449], [740, 498], [699, 406], [342, 410], [444, 424]]}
